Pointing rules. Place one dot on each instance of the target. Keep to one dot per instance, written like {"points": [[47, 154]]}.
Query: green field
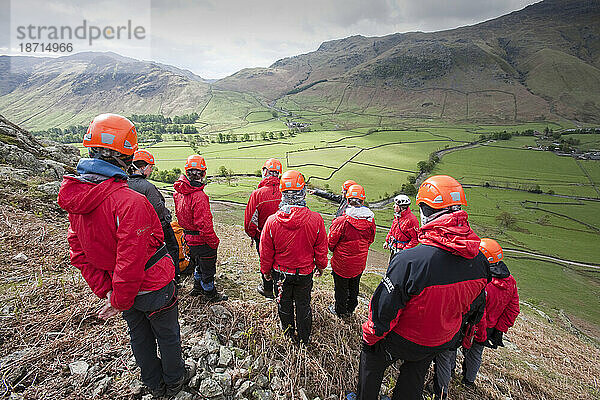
{"points": [[382, 151]]}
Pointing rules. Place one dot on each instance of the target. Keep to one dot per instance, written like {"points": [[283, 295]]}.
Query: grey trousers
{"points": [[445, 363]]}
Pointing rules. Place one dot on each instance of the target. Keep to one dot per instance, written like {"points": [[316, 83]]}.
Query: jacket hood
{"points": [[95, 166], [78, 196], [499, 270], [294, 218], [451, 232], [269, 181], [183, 186], [359, 217]]}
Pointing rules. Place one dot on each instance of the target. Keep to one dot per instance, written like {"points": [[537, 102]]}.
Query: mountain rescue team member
{"points": [[338, 198], [263, 202], [139, 171], [293, 244], [404, 233], [116, 242], [501, 311], [349, 239], [416, 311], [194, 216]]}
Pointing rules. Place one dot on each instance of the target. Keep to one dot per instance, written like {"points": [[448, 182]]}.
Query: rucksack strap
{"points": [[157, 256]]}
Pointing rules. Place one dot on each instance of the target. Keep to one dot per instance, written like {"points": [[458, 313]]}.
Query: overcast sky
{"points": [[215, 38]]}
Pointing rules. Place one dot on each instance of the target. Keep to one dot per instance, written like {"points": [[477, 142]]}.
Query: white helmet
{"points": [[402, 200]]}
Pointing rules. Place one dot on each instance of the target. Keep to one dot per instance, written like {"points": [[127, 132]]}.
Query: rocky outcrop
{"points": [[21, 153]]}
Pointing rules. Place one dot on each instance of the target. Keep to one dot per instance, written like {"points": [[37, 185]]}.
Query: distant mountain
{"points": [[537, 63], [40, 92]]}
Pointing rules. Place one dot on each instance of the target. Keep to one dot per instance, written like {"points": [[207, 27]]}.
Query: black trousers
{"points": [[172, 245], [205, 259], [375, 359], [267, 285], [153, 320], [346, 293], [293, 291]]}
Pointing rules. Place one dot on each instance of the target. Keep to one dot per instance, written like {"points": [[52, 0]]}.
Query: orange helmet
{"points": [[143, 155], [347, 184], [491, 250], [291, 180], [272, 164], [441, 191], [112, 131], [356, 192], [195, 162]]}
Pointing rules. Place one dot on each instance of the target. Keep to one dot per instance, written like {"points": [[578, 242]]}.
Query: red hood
{"points": [[294, 219], [183, 186], [451, 232], [269, 181], [77, 196]]}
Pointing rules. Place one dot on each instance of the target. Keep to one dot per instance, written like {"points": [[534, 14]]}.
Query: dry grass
{"points": [[48, 313]]}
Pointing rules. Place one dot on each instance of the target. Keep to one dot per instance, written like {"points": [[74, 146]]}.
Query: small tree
{"points": [[506, 219]]}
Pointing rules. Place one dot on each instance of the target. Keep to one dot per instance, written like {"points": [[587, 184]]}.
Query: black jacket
{"points": [[141, 185], [338, 198]]}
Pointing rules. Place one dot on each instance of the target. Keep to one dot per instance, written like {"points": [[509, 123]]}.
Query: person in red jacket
{"points": [[293, 245], [349, 239], [194, 216], [263, 202], [501, 311], [416, 311], [116, 241], [404, 233]]}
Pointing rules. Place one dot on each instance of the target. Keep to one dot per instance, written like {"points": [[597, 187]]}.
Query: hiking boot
{"points": [[331, 309], [351, 396], [261, 289], [197, 290], [174, 388], [213, 296], [468, 384], [158, 392]]}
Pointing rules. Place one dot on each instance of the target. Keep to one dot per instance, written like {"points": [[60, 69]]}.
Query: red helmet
{"points": [[356, 192], [291, 180], [143, 155], [195, 162], [347, 184], [112, 131], [441, 191], [272, 164], [491, 250]]}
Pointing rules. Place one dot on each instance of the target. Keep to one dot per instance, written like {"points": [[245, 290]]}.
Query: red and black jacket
{"points": [[263, 203], [427, 289]]}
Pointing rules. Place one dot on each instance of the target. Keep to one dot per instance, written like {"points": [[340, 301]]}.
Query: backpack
{"points": [[184, 251]]}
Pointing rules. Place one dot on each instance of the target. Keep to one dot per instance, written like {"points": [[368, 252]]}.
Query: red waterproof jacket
{"points": [[263, 202], [113, 232], [501, 307], [427, 289], [294, 241], [193, 213], [404, 232], [349, 239]]}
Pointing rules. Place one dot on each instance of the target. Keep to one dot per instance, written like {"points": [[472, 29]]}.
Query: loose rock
{"points": [[79, 367], [210, 388]]}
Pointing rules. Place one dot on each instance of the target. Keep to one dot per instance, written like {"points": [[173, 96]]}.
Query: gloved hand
{"points": [[318, 272], [369, 348], [267, 277], [386, 245], [496, 338]]}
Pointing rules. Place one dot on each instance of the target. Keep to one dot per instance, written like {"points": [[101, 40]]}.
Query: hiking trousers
{"points": [[375, 359], [267, 285], [205, 259], [152, 320], [444, 365], [345, 293], [294, 291]]}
